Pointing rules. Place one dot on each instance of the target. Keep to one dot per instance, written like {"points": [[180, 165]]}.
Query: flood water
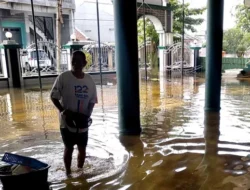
{"points": [[180, 147]]}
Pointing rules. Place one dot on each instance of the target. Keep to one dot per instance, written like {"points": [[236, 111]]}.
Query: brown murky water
{"points": [[180, 148]]}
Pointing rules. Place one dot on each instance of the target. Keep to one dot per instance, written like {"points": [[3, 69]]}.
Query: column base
{"points": [[212, 109]]}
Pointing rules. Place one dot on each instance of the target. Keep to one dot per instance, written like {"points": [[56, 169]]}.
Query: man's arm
{"points": [[90, 108], [67, 113], [56, 93], [93, 100], [57, 104]]}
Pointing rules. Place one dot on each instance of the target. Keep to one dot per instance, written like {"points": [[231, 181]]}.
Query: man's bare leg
{"points": [[68, 159], [81, 156]]}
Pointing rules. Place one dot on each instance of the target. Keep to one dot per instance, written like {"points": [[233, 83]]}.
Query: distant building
{"points": [[80, 36], [16, 17], [86, 20]]}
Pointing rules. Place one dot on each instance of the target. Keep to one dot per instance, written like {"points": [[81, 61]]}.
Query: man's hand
{"points": [[67, 113]]}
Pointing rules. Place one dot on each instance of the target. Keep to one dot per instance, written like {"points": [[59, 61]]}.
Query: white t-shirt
{"points": [[74, 94]]}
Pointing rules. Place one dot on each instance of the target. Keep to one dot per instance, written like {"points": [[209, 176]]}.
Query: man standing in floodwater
{"points": [[74, 95]]}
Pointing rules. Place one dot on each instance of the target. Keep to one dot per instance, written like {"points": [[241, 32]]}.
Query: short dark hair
{"points": [[77, 54]]}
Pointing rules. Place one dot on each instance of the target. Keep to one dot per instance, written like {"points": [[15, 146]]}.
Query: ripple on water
{"points": [[96, 167], [176, 149]]}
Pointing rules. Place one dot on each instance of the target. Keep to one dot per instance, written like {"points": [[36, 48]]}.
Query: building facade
{"points": [[16, 17]]}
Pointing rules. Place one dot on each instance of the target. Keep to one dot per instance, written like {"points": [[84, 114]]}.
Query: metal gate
{"points": [[107, 57], [173, 59], [47, 59]]}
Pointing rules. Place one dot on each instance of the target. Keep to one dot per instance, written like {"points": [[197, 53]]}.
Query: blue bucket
{"points": [[29, 181]]}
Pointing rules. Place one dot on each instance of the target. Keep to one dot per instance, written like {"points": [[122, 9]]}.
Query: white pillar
{"points": [[69, 59], [9, 67], [3, 62], [162, 60], [110, 59], [72, 22], [20, 69], [192, 58], [161, 49], [27, 28], [169, 39]]}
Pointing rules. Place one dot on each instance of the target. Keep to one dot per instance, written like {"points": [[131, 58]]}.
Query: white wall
{"points": [[86, 19], [153, 2], [69, 4]]}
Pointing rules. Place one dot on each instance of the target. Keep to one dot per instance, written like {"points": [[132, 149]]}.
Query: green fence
{"points": [[228, 63]]}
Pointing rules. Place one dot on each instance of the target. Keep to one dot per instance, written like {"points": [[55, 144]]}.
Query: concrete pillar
{"points": [[162, 58], [195, 54], [72, 22], [27, 28], [70, 48], [110, 59], [161, 49], [197, 63], [192, 59], [69, 59], [1, 28], [13, 65], [165, 41], [169, 37], [214, 55], [127, 66], [3, 63]]}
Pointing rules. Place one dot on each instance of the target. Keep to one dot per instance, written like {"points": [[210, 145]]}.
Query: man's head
{"points": [[78, 61]]}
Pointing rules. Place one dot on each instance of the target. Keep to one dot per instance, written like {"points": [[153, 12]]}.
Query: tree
{"points": [[151, 33], [241, 50], [246, 40], [88, 59], [190, 21], [232, 39], [243, 18]]}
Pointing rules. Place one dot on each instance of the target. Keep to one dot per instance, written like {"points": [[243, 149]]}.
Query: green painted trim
{"points": [[66, 46], [163, 47], [195, 48], [16, 24], [212, 109], [10, 46], [159, 7], [72, 46], [229, 63]]}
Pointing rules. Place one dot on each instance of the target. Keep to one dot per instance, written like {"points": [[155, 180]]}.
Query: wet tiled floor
{"points": [[181, 147]]}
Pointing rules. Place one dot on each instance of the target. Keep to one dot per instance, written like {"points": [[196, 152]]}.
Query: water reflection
{"points": [[210, 161], [180, 146]]}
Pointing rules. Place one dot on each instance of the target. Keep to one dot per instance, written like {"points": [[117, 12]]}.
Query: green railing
{"points": [[228, 63]]}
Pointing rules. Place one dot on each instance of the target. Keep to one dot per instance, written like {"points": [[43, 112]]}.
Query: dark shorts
{"points": [[70, 139]]}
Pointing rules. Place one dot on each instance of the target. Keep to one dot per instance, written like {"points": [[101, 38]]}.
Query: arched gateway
{"points": [[161, 15], [162, 18]]}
